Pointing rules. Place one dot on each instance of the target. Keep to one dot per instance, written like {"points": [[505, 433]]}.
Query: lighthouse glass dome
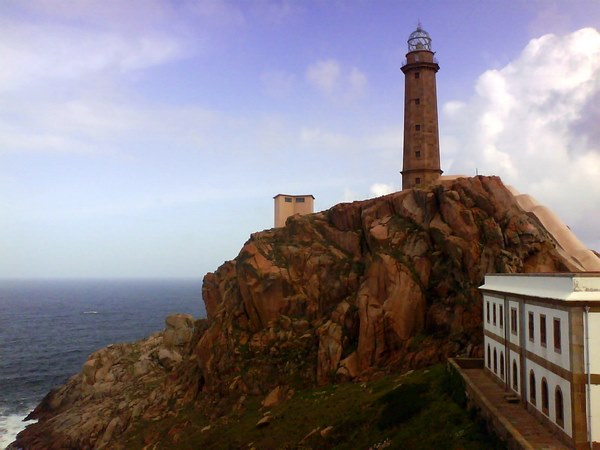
{"points": [[419, 40]]}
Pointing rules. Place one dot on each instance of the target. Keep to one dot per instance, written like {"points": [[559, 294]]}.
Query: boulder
{"points": [[169, 358], [276, 396], [179, 330], [265, 420]]}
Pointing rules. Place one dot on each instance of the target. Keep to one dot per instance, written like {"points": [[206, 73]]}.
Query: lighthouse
{"points": [[421, 151]]}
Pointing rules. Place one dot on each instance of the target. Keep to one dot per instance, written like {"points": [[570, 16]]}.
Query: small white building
{"points": [[542, 344]]}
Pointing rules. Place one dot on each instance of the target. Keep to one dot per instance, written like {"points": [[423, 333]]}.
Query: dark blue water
{"points": [[48, 328]]}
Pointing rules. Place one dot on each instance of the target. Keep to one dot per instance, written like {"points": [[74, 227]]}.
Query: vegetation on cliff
{"points": [[362, 290], [416, 410]]}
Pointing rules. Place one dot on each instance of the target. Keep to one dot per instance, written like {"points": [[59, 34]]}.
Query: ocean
{"points": [[48, 328]]}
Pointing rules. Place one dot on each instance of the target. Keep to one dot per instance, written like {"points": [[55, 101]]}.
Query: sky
{"points": [[148, 138]]}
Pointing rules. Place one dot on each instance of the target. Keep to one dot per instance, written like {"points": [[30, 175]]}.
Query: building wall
{"points": [[561, 358], [594, 342], [554, 296], [288, 205], [492, 345], [494, 321], [514, 356], [494, 339], [594, 336], [497, 316], [595, 410], [306, 207], [553, 380], [514, 335]]}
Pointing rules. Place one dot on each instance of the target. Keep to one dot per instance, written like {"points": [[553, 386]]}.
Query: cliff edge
{"points": [[364, 288]]}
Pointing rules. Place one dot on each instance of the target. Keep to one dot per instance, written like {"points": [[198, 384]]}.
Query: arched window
{"points": [[560, 407], [515, 376], [495, 361], [532, 387], [544, 396], [502, 365], [489, 355]]}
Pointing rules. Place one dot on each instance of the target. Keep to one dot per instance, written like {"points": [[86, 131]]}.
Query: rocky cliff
{"points": [[366, 287]]}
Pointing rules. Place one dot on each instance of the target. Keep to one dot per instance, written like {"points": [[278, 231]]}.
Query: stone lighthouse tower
{"points": [[421, 158]]}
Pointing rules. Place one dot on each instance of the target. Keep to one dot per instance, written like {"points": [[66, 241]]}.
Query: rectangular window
{"points": [[417, 75], [531, 327], [417, 101], [418, 153], [543, 329], [501, 316], [417, 180], [513, 320], [557, 343], [487, 306], [417, 127], [494, 309], [300, 200], [288, 199]]}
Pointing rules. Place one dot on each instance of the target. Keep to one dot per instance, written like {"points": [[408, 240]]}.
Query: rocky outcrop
{"points": [[568, 244], [365, 286], [118, 386], [383, 284]]}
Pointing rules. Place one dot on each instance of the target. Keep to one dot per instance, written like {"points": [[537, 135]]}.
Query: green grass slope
{"points": [[420, 410]]}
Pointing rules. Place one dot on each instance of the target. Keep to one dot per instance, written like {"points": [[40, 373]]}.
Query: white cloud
{"points": [[91, 125], [452, 108], [534, 122], [349, 195], [379, 189], [329, 78], [32, 54]]}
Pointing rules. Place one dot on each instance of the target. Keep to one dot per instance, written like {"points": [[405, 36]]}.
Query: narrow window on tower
{"points": [[417, 180], [417, 127], [417, 101], [417, 74], [418, 154]]}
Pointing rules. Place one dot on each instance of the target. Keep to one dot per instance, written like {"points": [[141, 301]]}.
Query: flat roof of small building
{"points": [[290, 195], [581, 286]]}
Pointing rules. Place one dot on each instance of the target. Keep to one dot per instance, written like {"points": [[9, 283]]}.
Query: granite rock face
{"points": [[383, 284], [118, 386], [365, 286]]}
